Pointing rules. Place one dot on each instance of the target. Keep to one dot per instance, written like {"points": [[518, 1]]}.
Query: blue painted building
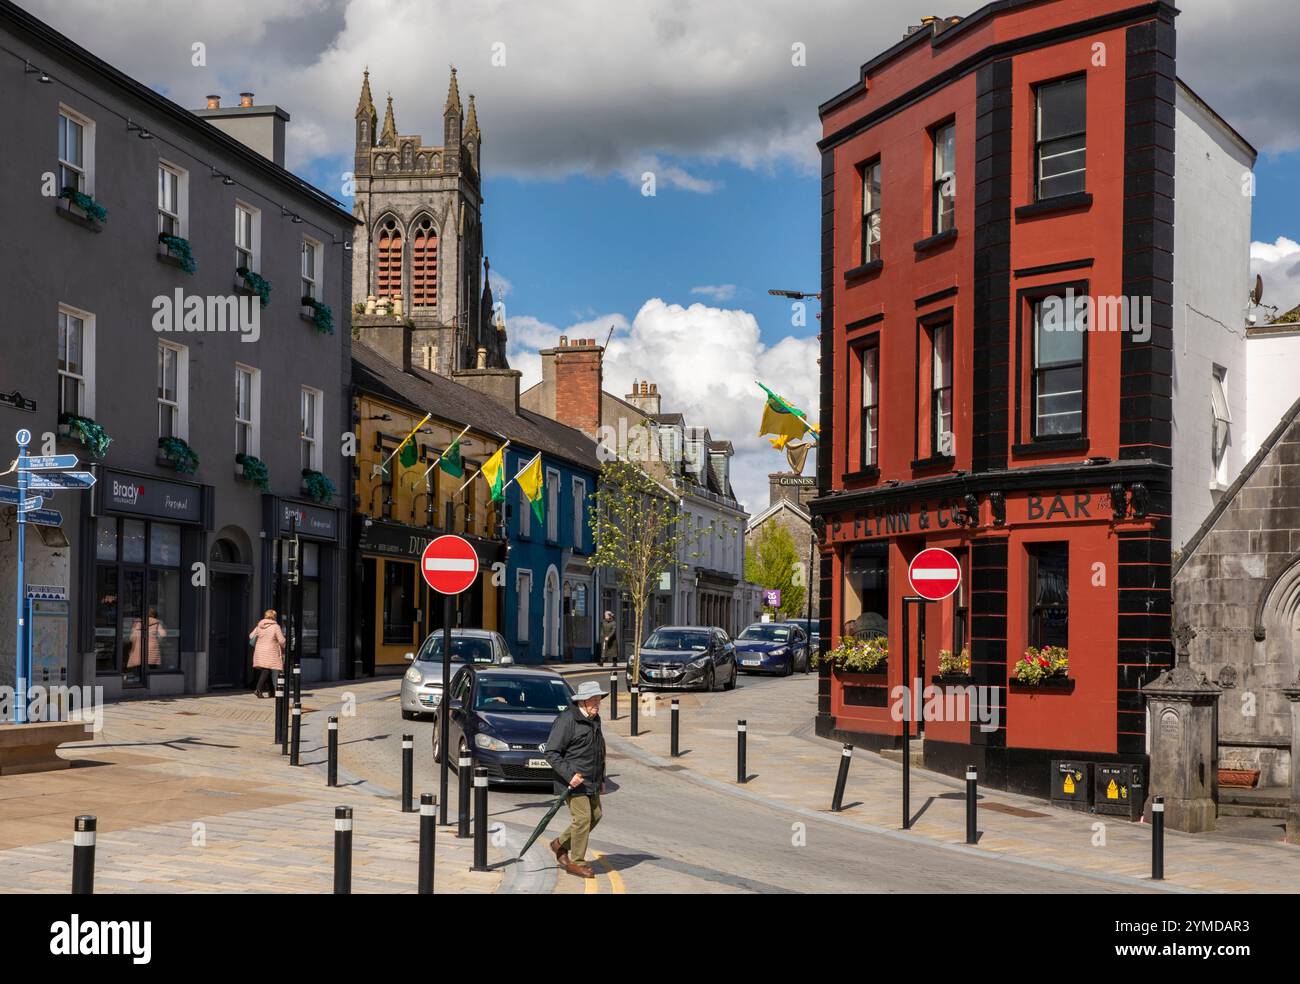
{"points": [[551, 589]]}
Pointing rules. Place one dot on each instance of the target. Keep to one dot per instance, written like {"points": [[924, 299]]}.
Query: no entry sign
{"points": [[934, 574], [449, 564]]}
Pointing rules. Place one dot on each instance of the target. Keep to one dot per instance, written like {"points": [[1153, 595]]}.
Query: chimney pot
{"points": [[564, 340], [214, 102], [246, 100]]}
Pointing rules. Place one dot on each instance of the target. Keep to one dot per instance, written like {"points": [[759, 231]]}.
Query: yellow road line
{"points": [[591, 886], [615, 879]]}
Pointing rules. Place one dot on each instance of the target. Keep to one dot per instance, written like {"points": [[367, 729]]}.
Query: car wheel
{"points": [[789, 665], [409, 715], [731, 684], [710, 683]]}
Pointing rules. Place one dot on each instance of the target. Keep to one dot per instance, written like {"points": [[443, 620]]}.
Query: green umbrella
{"points": [[553, 809]]}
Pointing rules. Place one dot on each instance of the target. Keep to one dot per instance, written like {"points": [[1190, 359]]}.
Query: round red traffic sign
{"points": [[934, 574], [449, 564]]}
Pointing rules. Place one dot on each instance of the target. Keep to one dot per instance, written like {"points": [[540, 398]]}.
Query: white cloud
{"points": [[705, 361], [1278, 263], [717, 292]]}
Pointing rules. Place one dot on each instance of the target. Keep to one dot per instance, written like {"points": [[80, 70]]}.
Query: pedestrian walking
{"points": [[268, 651], [608, 640], [148, 635], [576, 750]]}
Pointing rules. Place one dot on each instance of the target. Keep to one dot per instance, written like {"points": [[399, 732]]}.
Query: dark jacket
{"points": [[575, 745]]}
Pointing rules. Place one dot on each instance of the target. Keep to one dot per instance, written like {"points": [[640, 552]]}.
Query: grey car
{"points": [[422, 681], [687, 657]]}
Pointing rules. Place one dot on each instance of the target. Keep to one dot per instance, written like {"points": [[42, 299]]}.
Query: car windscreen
{"points": [[766, 633], [464, 649], [521, 694], [676, 639]]}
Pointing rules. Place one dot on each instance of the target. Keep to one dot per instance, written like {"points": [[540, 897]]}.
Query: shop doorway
{"points": [[229, 621]]}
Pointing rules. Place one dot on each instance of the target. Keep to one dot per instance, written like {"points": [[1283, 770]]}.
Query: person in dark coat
{"points": [[576, 750]]}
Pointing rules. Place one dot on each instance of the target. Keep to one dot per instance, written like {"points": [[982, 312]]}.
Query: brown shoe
{"points": [[579, 868], [561, 855]]}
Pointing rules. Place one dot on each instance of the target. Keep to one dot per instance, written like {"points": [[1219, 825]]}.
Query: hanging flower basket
{"points": [[258, 284], [175, 452], [253, 469], [87, 204], [856, 655], [318, 486], [321, 316], [179, 249], [89, 433], [1042, 666]]}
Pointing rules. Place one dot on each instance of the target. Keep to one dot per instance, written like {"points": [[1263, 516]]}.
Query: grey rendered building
{"points": [[165, 569]]}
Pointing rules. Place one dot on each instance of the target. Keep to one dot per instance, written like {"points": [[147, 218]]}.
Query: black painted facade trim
{"points": [[1035, 271]]}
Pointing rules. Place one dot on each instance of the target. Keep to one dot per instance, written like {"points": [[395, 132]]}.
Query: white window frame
{"points": [[254, 246], [523, 603], [552, 505], [314, 454], [312, 280], [87, 377], [579, 510], [180, 406], [181, 214], [1220, 427], [87, 167], [253, 422]]}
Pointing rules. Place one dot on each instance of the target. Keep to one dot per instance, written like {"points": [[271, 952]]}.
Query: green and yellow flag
{"points": [[494, 473], [450, 462], [532, 485], [409, 454], [787, 422]]}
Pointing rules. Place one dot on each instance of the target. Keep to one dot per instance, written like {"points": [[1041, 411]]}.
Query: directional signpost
{"points": [[449, 565], [42, 475]]}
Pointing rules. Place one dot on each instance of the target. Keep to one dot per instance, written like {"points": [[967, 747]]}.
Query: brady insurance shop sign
{"points": [[152, 497]]}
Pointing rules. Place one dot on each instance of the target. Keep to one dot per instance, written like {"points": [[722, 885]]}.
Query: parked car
{"points": [[685, 657], [812, 629], [772, 647], [503, 714], [422, 681]]}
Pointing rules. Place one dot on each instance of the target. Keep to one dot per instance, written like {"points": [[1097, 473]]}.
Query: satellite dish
{"points": [[1258, 292]]}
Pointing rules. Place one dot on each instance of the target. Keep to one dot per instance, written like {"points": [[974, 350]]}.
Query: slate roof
{"points": [[459, 404]]}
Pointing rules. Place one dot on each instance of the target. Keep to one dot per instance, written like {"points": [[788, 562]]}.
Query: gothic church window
{"points": [[388, 267], [424, 264]]}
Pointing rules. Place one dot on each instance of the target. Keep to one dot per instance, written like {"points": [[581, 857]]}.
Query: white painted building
{"points": [[1231, 383]]}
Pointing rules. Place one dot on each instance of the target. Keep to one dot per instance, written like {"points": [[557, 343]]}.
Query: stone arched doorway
{"points": [[230, 582]]}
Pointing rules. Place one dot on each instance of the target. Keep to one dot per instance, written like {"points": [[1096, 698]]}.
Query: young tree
{"points": [[774, 563], [637, 534]]}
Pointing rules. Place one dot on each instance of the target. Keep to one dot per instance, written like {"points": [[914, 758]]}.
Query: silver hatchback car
{"points": [[422, 681]]}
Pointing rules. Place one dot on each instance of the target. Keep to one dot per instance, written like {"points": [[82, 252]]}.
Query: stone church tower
{"points": [[421, 234]]}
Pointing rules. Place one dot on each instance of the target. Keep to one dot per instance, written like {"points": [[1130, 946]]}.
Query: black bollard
{"points": [[1158, 839], [83, 856], [280, 716], [741, 731], [297, 683], [613, 696], [296, 737], [408, 772], [480, 818], [634, 694], [464, 780], [972, 778], [332, 767], [676, 733], [428, 831], [842, 778], [342, 850]]}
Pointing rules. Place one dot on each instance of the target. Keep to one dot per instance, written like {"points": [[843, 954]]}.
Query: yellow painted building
{"points": [[399, 509]]}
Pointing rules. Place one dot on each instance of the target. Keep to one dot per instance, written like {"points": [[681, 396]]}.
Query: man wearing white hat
{"points": [[576, 750]]}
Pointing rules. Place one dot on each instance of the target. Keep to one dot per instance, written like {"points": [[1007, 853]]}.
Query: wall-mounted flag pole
{"points": [[493, 464], [404, 440], [453, 450]]}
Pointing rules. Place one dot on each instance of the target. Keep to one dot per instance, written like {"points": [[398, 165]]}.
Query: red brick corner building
{"points": [[982, 174]]}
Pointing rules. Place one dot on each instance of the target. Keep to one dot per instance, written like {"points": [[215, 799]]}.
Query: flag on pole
{"points": [[401, 447], [532, 485], [494, 472], [787, 422], [450, 461], [409, 454]]}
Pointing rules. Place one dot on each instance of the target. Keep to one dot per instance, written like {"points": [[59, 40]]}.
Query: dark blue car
{"points": [[772, 647], [502, 715]]}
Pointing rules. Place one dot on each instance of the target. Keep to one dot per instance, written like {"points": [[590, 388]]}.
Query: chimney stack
{"points": [[645, 397], [214, 102], [245, 100], [260, 128], [572, 382]]}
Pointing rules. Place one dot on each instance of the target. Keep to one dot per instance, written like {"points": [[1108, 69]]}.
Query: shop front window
{"points": [[866, 591], [1049, 594], [310, 599], [138, 598]]}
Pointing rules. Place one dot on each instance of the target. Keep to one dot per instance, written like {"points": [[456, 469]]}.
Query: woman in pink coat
{"points": [[268, 650]]}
